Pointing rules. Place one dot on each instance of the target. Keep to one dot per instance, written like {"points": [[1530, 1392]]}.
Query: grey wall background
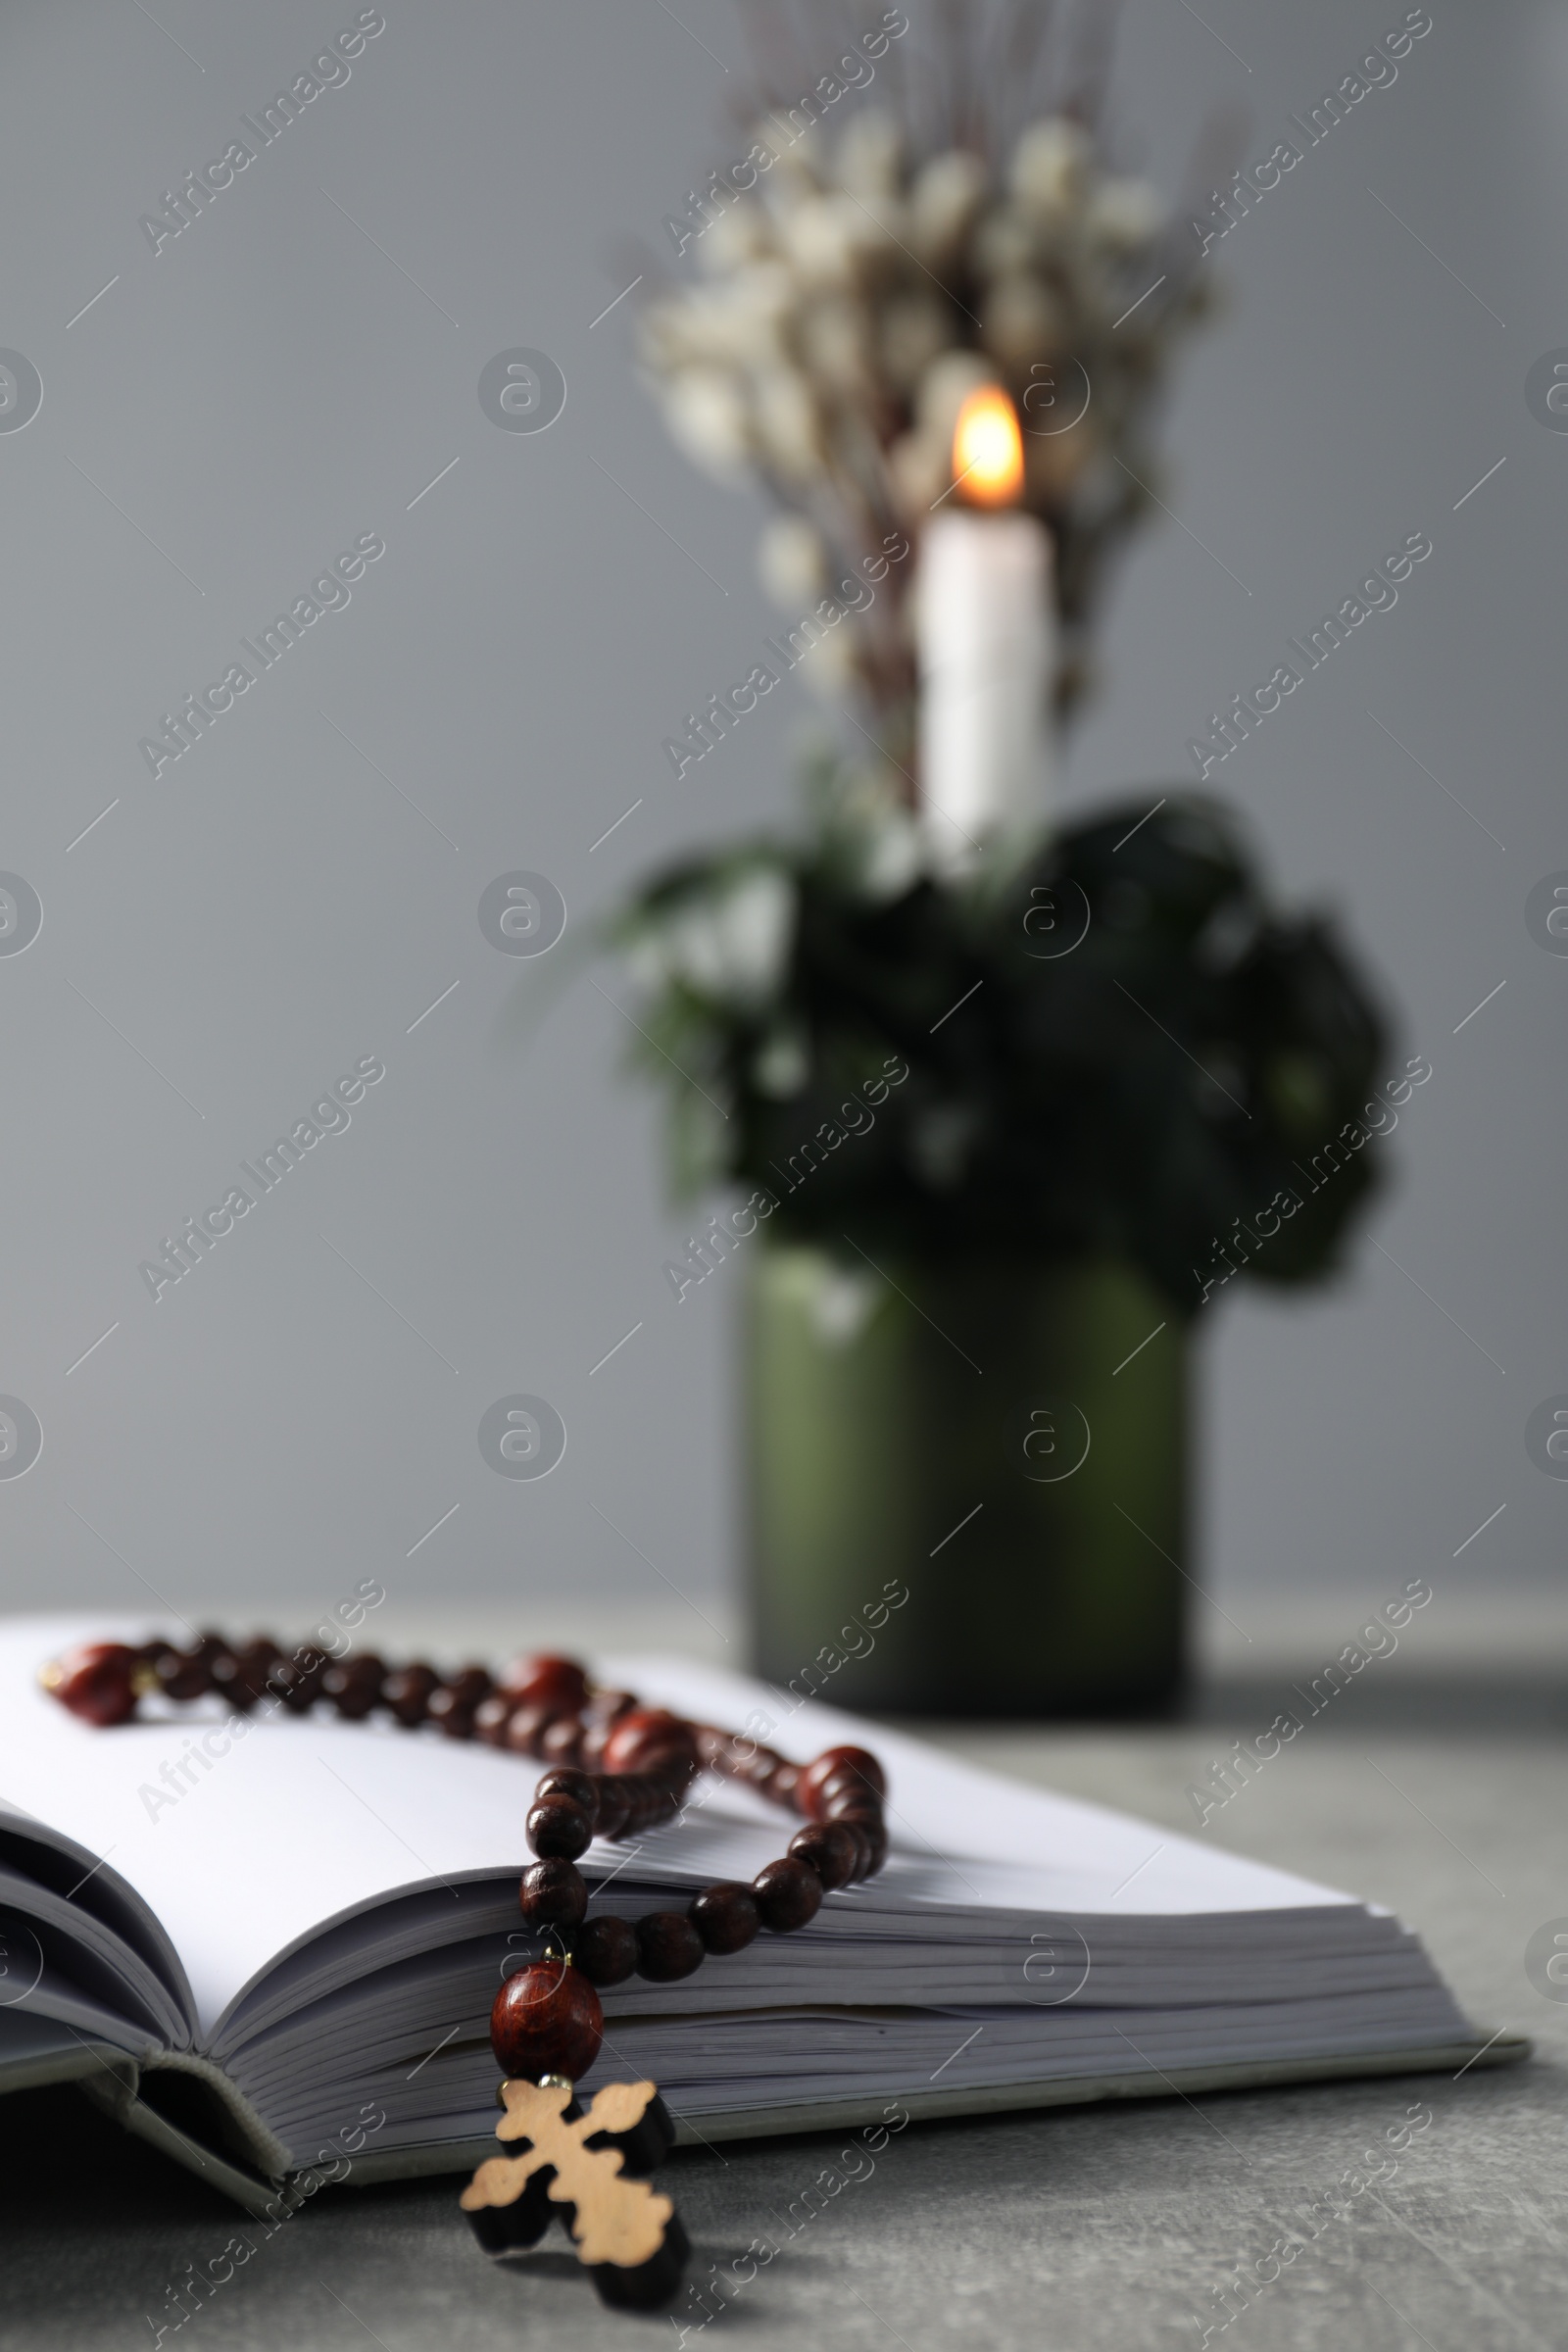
{"points": [[230, 938]]}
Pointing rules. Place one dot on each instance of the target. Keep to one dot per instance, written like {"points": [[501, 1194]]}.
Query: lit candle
{"points": [[987, 641]]}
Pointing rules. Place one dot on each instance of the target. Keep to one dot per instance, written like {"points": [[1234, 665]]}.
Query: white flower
{"points": [[733, 945], [878, 846], [787, 423], [797, 165], [1050, 165], [891, 855], [735, 322], [695, 331], [820, 350], [833, 334], [707, 416], [1124, 214], [792, 562], [944, 201], [868, 155], [742, 234], [819, 240], [762, 296], [781, 1064], [878, 231]]}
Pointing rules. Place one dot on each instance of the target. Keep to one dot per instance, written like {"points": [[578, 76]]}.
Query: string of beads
{"points": [[617, 1769]]}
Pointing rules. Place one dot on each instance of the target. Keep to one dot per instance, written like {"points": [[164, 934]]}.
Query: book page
{"points": [[1031, 1850], [244, 1839]]}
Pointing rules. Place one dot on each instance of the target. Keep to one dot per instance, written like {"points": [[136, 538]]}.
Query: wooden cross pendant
{"points": [[590, 2168]]}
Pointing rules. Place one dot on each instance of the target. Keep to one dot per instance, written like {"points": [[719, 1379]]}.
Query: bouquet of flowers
{"points": [[874, 255], [1108, 1042], [1111, 1046]]}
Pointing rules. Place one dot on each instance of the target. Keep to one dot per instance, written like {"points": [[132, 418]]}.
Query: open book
{"points": [[275, 1956]]}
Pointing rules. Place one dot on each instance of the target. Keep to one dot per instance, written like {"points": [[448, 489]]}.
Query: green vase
{"points": [[1003, 1444]]}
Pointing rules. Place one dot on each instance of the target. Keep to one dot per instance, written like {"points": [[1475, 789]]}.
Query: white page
{"points": [[1060, 1853], [306, 1819]]}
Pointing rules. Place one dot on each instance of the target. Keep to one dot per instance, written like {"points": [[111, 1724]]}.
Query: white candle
{"points": [[987, 642]]}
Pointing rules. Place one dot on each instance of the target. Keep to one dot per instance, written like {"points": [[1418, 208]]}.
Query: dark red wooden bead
{"points": [[470, 1685], [788, 1893], [151, 1656], [547, 2019], [292, 1685], [408, 1693], [646, 1733], [668, 1947], [861, 1761], [566, 1781], [591, 1745], [857, 1761], [97, 1682], [726, 1916], [844, 1793], [183, 1675], [639, 1802], [676, 1768], [558, 1827], [604, 1706], [525, 1728], [615, 1807], [861, 1865], [714, 1747], [874, 1836], [277, 1680], [662, 1796], [831, 1848], [354, 1686], [606, 1950], [653, 1803], [255, 1665], [562, 1740], [452, 1719], [556, 1683], [552, 1894], [781, 1783], [854, 1803], [491, 1718], [454, 1706], [224, 1673]]}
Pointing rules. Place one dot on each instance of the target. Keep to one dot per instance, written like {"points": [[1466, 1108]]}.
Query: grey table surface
{"points": [[1083, 2227]]}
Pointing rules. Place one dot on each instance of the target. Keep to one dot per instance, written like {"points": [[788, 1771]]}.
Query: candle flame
{"points": [[988, 449]]}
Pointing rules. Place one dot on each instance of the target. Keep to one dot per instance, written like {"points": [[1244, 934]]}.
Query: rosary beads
{"points": [[617, 1769]]}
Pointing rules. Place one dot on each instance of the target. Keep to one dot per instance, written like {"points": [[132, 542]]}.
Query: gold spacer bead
{"points": [[557, 2083], [51, 1676]]}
